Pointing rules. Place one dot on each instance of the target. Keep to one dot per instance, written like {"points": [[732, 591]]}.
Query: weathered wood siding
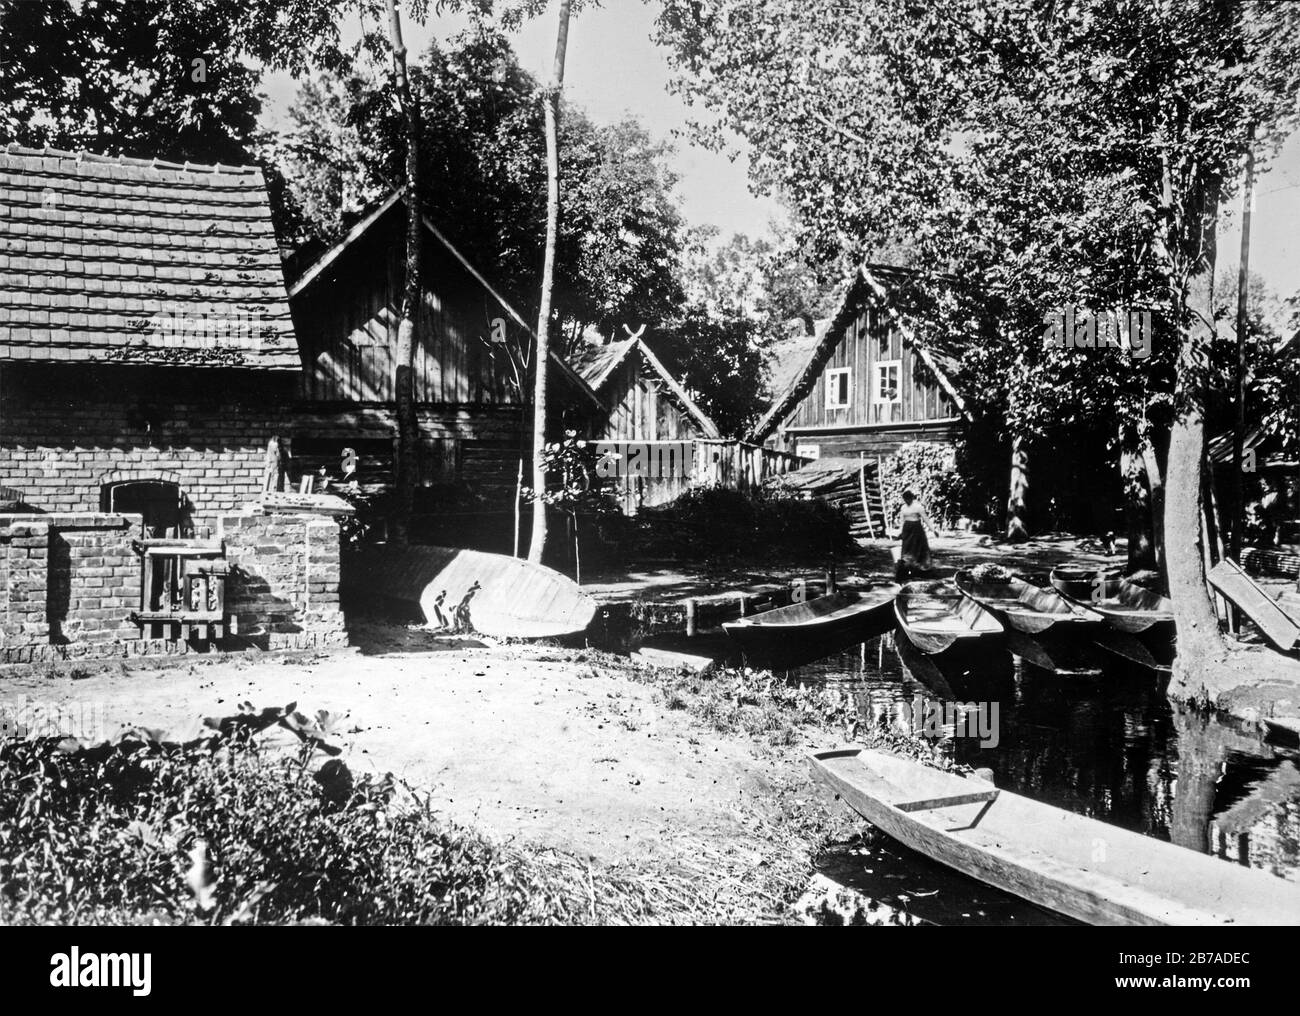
{"points": [[873, 442], [866, 340], [347, 329], [640, 408]]}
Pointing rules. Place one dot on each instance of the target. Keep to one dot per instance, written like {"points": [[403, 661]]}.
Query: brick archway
{"points": [[155, 495], [134, 475]]}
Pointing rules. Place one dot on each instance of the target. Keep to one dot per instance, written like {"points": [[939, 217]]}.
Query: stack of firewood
{"points": [[840, 483]]}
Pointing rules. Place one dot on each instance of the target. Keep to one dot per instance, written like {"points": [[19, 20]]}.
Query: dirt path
{"points": [[524, 743]]}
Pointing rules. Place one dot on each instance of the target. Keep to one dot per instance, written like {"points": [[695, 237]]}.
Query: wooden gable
{"points": [[347, 321], [871, 377], [865, 370], [641, 406], [642, 400]]}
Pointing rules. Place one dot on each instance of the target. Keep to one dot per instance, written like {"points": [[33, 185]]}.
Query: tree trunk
{"points": [[1017, 514], [551, 108], [1198, 628], [1201, 649], [404, 375]]}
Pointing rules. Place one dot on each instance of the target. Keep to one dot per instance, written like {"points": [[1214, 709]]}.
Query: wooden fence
{"points": [[712, 463]]}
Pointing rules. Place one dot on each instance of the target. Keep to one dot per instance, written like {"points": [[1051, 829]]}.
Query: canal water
{"points": [[1101, 740]]}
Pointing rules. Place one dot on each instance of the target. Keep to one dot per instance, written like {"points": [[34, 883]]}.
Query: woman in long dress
{"points": [[915, 551]]}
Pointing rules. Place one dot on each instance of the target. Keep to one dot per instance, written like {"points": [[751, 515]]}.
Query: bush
{"points": [[715, 522], [121, 833], [928, 470]]}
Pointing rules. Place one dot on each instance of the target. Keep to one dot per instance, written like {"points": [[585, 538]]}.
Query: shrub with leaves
{"points": [[225, 833]]}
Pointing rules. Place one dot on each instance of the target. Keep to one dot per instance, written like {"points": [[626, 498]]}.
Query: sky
{"points": [[614, 68]]}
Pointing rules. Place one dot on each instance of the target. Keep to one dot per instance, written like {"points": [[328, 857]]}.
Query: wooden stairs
{"points": [[850, 485]]}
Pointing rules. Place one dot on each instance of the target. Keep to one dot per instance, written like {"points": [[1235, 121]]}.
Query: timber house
{"points": [[864, 387], [643, 403]]}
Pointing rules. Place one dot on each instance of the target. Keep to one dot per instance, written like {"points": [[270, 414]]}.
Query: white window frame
{"points": [[808, 451], [832, 387], [877, 395]]}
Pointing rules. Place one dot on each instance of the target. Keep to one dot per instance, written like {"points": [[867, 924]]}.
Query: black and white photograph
{"points": [[650, 462]]}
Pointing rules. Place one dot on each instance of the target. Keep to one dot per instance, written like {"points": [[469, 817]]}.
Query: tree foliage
{"points": [[155, 78], [483, 163], [1025, 148]]}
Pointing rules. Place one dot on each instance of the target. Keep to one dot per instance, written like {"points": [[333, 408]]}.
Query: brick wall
{"points": [[69, 583], [66, 431], [283, 578], [68, 580]]}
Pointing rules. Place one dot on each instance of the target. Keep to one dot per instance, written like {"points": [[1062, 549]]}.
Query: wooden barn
{"points": [[865, 387], [474, 425], [641, 400], [643, 404]]}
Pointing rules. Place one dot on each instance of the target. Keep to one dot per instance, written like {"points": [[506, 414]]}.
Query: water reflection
{"points": [[1103, 741]]}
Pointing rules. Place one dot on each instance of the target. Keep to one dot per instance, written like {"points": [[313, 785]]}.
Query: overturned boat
{"points": [[459, 590]]}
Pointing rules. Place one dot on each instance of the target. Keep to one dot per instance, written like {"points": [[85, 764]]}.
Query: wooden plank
{"points": [[950, 801], [1279, 627]]}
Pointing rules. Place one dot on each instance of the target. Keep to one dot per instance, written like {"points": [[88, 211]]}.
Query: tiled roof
{"points": [[120, 260]]}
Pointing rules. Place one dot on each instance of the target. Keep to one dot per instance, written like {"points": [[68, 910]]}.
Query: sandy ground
{"points": [[524, 743]]}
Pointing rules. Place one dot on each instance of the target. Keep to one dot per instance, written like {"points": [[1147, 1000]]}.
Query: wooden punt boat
{"points": [[826, 622], [1125, 605], [1025, 607], [935, 616], [1050, 856]]}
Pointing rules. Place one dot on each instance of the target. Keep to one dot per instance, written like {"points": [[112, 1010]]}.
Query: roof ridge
{"points": [[13, 148]]}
